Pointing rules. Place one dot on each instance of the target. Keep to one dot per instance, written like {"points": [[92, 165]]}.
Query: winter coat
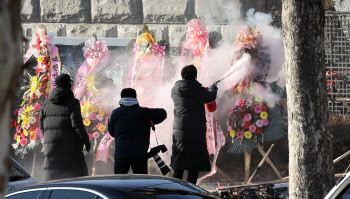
{"points": [[189, 129], [130, 126], [64, 136]]}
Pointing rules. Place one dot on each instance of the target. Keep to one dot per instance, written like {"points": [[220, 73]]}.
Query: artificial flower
{"points": [[248, 135], [247, 117], [101, 112], [93, 109], [248, 102], [240, 134], [93, 116], [18, 138], [37, 107], [24, 141], [239, 89], [257, 109], [257, 99], [265, 122], [252, 128], [32, 120], [87, 122], [102, 128], [259, 123], [258, 131], [247, 124], [15, 113], [263, 115], [40, 59], [240, 102], [232, 133], [96, 135], [90, 136], [25, 132], [99, 117], [33, 136], [264, 107]]}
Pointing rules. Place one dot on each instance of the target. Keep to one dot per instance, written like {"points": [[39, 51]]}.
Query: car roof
{"points": [[109, 184]]}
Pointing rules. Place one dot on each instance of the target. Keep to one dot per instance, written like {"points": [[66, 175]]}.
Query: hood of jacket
{"points": [[187, 87], [60, 96]]}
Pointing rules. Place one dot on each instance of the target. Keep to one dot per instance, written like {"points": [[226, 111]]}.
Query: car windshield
{"points": [[17, 173]]}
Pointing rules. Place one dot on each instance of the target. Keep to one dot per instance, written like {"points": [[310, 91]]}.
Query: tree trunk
{"points": [[10, 64], [310, 149]]}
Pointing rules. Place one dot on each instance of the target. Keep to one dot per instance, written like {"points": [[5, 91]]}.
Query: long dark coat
{"points": [[64, 136], [189, 130], [130, 126]]}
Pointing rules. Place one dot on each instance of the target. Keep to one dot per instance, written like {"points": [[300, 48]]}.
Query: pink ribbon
{"points": [[55, 66], [96, 58], [103, 148]]}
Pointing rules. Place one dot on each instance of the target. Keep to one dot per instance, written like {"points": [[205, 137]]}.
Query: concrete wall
{"points": [[124, 18]]}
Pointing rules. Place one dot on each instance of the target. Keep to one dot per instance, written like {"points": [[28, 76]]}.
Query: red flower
{"points": [[265, 107], [33, 136], [13, 123], [90, 136], [247, 124], [258, 131], [15, 137]]}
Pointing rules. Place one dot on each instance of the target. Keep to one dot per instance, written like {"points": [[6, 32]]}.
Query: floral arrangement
{"points": [[95, 118], [249, 38], [28, 133], [146, 46], [197, 37], [248, 116]]}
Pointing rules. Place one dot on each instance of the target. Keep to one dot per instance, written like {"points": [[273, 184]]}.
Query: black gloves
{"points": [[87, 146]]}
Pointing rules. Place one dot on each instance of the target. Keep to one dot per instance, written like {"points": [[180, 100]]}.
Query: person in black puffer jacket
{"points": [[189, 128], [130, 126], [64, 133]]}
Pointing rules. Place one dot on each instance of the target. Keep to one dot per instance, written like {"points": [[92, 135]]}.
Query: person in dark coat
{"points": [[64, 133], [130, 126], [189, 128]]}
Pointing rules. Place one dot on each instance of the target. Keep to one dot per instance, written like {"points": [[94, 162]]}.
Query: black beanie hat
{"points": [[63, 81]]}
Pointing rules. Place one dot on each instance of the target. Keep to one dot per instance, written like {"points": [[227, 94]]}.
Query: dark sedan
{"points": [[112, 186]]}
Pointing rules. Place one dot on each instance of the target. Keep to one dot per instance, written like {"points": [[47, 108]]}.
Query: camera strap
{"points": [[152, 123]]}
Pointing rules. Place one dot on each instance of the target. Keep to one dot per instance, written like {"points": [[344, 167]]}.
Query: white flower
{"points": [[99, 117], [15, 146], [248, 102], [31, 144], [32, 120]]}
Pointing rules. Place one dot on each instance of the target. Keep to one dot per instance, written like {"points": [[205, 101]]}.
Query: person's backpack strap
{"points": [[150, 119]]}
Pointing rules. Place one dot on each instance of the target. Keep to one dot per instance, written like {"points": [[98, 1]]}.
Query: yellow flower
{"points": [[264, 115], [87, 122], [32, 132], [34, 84], [40, 59], [18, 138], [101, 112], [239, 89], [102, 128], [25, 132], [248, 134], [232, 133], [257, 99], [29, 108], [47, 90], [91, 82], [93, 109]]}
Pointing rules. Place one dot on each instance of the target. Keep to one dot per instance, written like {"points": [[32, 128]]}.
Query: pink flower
{"points": [[93, 116], [257, 109], [248, 102], [106, 119], [15, 113], [96, 135], [23, 141], [38, 131], [90, 136], [252, 128], [240, 102], [247, 117], [259, 123], [265, 122], [26, 126], [37, 107], [99, 117], [240, 134], [18, 128]]}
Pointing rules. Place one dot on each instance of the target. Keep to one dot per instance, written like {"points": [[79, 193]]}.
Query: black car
{"points": [[112, 186]]}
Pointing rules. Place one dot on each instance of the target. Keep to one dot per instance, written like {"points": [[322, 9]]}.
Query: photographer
{"points": [[130, 126]]}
